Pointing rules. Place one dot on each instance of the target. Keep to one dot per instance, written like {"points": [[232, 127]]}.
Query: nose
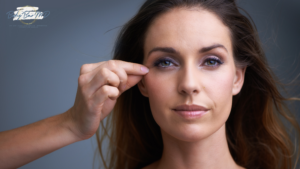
{"points": [[189, 83]]}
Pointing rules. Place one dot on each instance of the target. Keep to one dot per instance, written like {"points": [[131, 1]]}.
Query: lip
{"points": [[190, 111]]}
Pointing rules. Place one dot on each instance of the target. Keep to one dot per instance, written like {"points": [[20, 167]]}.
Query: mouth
{"points": [[190, 111]]}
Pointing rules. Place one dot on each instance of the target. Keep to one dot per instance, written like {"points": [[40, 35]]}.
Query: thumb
{"points": [[132, 80]]}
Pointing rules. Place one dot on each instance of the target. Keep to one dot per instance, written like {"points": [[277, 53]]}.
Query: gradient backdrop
{"points": [[39, 65]]}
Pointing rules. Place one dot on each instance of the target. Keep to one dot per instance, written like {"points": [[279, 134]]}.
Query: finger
{"points": [[122, 77], [123, 69], [130, 68], [121, 74], [103, 77], [88, 67], [104, 93], [131, 81], [112, 66]]}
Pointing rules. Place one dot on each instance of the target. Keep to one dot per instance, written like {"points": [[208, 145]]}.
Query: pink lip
{"points": [[190, 111]]}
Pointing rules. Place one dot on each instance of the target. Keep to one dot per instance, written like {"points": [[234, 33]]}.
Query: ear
{"points": [[142, 88], [238, 80]]}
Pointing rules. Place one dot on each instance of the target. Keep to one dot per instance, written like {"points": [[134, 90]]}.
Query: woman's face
{"points": [[189, 54]]}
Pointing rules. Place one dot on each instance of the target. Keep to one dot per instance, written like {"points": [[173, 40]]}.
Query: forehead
{"points": [[187, 30]]}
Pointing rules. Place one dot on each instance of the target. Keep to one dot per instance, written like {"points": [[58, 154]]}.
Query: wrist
{"points": [[69, 125]]}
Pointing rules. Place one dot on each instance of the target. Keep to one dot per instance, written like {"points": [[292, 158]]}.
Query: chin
{"points": [[189, 132]]}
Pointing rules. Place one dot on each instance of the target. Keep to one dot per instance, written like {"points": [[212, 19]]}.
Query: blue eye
{"points": [[164, 62]]}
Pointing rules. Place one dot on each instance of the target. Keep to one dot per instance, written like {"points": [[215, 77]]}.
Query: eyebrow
{"points": [[172, 50]]}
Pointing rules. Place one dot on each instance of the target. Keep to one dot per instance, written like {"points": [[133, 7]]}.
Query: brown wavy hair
{"points": [[256, 134]]}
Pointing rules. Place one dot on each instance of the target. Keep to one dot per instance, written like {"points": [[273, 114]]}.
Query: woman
{"points": [[204, 53], [206, 98]]}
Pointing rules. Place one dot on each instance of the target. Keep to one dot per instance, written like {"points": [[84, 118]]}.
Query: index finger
{"points": [[132, 68]]}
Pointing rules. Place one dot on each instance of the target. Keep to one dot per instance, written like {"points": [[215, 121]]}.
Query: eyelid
{"points": [[167, 58], [160, 60], [171, 59], [203, 61], [218, 55], [215, 58]]}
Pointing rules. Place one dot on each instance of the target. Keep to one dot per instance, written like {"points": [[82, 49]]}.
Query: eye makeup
{"points": [[164, 62], [213, 61], [210, 61]]}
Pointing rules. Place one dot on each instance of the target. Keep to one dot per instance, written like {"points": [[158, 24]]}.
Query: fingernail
{"points": [[144, 69]]}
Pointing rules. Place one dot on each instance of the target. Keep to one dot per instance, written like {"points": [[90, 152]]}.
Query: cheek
{"points": [[160, 86], [218, 88], [161, 89]]}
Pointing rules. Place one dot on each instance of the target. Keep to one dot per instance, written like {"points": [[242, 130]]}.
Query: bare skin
{"points": [[197, 143], [99, 84], [190, 76]]}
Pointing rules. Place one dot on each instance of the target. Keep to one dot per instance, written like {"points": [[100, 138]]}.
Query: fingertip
{"points": [[144, 69]]}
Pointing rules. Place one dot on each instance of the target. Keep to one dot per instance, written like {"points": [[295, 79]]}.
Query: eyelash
{"points": [[159, 61]]}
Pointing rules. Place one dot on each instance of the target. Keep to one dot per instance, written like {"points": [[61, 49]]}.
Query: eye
{"points": [[212, 62], [164, 62]]}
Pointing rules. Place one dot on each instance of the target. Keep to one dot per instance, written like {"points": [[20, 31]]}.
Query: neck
{"points": [[211, 152]]}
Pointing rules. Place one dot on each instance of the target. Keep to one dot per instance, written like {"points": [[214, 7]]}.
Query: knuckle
{"points": [[84, 68], [105, 90], [112, 64], [123, 79], [135, 67], [114, 93], [82, 79], [104, 73]]}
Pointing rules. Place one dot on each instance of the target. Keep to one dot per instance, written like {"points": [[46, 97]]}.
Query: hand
{"points": [[99, 85]]}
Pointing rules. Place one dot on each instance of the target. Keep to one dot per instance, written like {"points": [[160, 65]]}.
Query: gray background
{"points": [[39, 66]]}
